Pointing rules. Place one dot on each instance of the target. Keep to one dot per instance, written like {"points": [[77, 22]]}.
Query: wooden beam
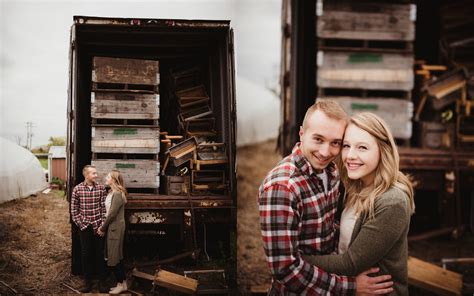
{"points": [[433, 278]]}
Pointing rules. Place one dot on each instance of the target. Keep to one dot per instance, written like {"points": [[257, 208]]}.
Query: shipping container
{"points": [[123, 113]]}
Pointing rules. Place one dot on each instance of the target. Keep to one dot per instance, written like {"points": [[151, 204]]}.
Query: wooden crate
{"points": [[137, 173], [435, 135], [125, 139], [120, 105], [176, 185], [397, 113], [370, 21], [125, 71], [359, 70]]}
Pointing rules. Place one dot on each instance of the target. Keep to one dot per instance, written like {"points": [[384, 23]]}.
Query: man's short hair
{"points": [[86, 168], [329, 107]]}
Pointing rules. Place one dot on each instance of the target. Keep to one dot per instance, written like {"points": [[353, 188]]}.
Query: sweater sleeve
{"points": [[117, 202], [375, 239]]}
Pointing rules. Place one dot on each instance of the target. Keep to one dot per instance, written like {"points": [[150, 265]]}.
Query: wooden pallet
{"points": [[125, 71], [128, 139], [370, 71], [375, 21], [137, 173], [119, 105], [397, 113]]}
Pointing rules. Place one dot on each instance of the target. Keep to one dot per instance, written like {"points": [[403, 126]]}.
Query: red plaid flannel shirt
{"points": [[297, 217], [88, 205]]}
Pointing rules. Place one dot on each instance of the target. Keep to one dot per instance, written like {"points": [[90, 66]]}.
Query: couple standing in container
{"points": [[100, 218]]}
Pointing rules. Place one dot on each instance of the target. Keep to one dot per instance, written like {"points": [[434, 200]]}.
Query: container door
{"points": [[298, 75]]}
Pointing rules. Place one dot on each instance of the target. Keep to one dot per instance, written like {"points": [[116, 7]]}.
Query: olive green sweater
{"points": [[380, 241]]}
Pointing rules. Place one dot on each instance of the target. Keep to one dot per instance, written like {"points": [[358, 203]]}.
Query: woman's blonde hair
{"points": [[117, 183], [387, 173]]}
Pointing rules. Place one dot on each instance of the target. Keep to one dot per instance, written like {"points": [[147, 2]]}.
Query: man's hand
{"points": [[377, 285], [100, 232]]}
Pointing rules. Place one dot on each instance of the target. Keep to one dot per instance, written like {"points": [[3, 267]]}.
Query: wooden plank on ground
{"points": [[176, 282], [433, 278], [170, 280]]}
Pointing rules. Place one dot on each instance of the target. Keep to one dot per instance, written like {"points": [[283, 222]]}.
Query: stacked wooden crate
{"points": [[365, 59], [196, 162], [125, 121]]}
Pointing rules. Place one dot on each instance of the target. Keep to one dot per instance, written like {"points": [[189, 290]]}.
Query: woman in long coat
{"points": [[114, 227]]}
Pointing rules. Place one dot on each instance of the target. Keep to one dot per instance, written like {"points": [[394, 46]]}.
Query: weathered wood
{"points": [[382, 71], [176, 185], [169, 280], [397, 113], [118, 105], [208, 180], [435, 135], [137, 173], [176, 282], [108, 139], [376, 21], [196, 91], [120, 70], [433, 278]]}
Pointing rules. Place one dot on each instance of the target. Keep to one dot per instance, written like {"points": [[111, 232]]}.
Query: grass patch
{"points": [[44, 162]]}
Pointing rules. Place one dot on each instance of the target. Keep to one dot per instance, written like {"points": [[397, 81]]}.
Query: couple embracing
{"points": [[335, 213], [100, 218]]}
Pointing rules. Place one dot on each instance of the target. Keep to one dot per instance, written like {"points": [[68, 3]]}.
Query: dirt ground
{"points": [[35, 245], [253, 163]]}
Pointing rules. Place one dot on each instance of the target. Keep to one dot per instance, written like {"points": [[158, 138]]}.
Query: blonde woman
{"points": [[114, 227], [377, 206]]}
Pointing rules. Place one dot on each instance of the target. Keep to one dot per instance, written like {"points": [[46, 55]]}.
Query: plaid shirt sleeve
{"points": [[280, 222], [75, 209]]}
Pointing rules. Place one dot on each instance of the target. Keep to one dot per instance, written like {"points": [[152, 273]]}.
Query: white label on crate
{"points": [[93, 132], [319, 8], [412, 12], [92, 97], [94, 78], [319, 58], [157, 99]]}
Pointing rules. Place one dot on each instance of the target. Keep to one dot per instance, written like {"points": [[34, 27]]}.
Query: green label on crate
{"points": [[124, 165], [364, 58], [125, 131], [359, 106]]}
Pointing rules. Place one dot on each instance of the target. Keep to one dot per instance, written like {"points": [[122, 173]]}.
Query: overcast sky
{"points": [[34, 44]]}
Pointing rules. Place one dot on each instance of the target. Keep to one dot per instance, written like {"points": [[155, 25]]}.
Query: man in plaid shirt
{"points": [[88, 213], [298, 202]]}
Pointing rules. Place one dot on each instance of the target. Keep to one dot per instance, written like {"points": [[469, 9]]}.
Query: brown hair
{"points": [[329, 107], [117, 183], [86, 168]]}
